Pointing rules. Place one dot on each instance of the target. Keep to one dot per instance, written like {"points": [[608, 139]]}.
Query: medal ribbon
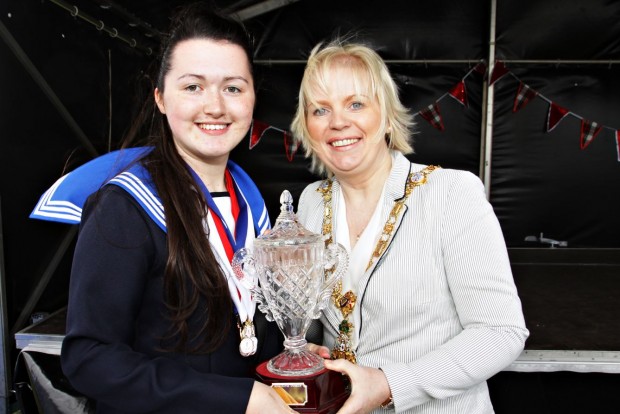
{"points": [[239, 211]]}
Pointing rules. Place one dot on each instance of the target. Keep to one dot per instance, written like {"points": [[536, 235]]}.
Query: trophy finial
{"points": [[286, 201], [287, 230]]}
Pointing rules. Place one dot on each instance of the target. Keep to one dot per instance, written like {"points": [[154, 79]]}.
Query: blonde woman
{"points": [[428, 309]]}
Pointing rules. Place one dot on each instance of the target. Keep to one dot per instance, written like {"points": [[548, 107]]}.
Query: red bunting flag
{"points": [[556, 114], [459, 93], [258, 129], [618, 144], [481, 68], [524, 95], [432, 115], [291, 146], [589, 131], [499, 70]]}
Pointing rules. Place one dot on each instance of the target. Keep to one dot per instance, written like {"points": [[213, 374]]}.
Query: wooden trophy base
{"points": [[320, 393]]}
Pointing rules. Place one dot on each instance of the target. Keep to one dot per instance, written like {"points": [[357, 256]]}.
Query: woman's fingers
{"points": [[321, 351]]}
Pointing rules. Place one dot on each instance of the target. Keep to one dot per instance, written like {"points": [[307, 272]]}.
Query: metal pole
{"points": [[44, 279], [608, 62], [131, 20], [5, 375], [487, 140], [100, 25], [260, 8], [425, 62], [46, 88]]}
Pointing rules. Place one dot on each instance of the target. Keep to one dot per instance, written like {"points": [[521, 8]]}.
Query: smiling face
{"points": [[344, 122], [208, 99]]}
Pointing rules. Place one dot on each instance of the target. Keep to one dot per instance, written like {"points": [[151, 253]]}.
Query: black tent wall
{"points": [[540, 182]]}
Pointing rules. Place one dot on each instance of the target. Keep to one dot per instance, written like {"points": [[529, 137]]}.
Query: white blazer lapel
{"points": [[395, 191]]}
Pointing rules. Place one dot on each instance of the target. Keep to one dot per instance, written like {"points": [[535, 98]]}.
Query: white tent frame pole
{"points": [[487, 113]]}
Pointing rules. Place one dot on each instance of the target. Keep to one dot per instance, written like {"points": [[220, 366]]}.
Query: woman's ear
{"points": [[159, 100]]}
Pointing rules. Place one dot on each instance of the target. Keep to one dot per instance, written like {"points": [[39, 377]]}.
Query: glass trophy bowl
{"points": [[291, 274]]}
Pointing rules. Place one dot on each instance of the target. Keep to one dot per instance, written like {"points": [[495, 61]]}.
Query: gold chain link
{"points": [[346, 302]]}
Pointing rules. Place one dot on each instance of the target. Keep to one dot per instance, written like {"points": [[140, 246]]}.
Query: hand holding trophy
{"points": [[292, 274]]}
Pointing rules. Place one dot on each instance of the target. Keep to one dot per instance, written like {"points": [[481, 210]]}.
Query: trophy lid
{"points": [[287, 229]]}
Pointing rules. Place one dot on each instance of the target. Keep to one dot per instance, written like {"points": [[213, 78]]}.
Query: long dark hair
{"points": [[195, 287]]}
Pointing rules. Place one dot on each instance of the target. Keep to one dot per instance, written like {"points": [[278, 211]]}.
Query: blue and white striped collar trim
{"points": [[57, 210], [144, 195]]}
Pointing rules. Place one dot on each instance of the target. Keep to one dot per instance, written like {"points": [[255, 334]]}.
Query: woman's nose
{"points": [[338, 120], [213, 104]]}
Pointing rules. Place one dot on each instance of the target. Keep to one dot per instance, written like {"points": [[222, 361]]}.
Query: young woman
{"points": [[156, 321]]}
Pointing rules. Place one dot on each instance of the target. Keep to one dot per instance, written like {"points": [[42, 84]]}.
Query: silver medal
{"points": [[249, 343]]}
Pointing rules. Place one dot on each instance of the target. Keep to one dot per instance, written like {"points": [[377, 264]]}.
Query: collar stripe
{"points": [[143, 194], [61, 210]]}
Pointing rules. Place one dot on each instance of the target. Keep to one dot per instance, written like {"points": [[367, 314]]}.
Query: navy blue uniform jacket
{"points": [[112, 351]]}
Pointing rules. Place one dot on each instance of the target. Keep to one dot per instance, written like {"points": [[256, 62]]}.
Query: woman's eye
{"points": [[357, 105], [232, 89], [192, 88], [319, 111]]}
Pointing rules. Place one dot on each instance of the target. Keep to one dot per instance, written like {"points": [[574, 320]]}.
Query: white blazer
{"points": [[440, 312]]}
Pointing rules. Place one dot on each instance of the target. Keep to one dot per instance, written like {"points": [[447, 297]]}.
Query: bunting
{"points": [[432, 115], [459, 92], [290, 146], [589, 131], [258, 129], [481, 68], [556, 114], [524, 95], [499, 70]]}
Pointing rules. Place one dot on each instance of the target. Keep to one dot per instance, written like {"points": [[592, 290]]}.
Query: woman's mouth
{"points": [[212, 127], [344, 142]]}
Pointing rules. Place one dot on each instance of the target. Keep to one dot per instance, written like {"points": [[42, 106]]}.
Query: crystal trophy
{"points": [[292, 273]]}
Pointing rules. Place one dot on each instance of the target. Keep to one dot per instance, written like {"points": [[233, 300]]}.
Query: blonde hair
{"points": [[365, 64]]}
